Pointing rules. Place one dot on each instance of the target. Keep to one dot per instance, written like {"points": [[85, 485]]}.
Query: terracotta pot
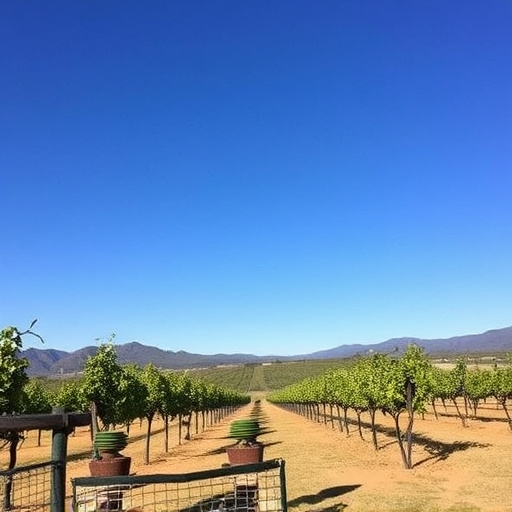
{"points": [[110, 466], [245, 454]]}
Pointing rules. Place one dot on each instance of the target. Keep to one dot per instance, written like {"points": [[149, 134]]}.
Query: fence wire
{"points": [[26, 488], [253, 488]]}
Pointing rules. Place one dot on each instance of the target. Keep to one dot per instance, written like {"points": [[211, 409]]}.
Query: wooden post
{"points": [[59, 454], [282, 478]]}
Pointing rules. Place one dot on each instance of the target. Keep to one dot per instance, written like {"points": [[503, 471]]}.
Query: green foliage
{"points": [[415, 368], [13, 379], [268, 376], [71, 396], [373, 383], [182, 386], [101, 380], [376, 382], [280, 375], [441, 384], [53, 384], [132, 395], [13, 375], [155, 384], [502, 383], [258, 382], [457, 378], [479, 384], [36, 399], [237, 378]]}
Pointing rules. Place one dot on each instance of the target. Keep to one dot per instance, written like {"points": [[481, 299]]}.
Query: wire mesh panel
{"points": [[248, 488], [26, 488]]}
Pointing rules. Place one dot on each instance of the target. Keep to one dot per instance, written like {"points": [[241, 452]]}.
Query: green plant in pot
{"points": [[107, 461], [248, 449]]}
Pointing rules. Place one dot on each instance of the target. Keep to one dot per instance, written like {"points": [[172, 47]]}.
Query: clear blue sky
{"points": [[267, 177]]}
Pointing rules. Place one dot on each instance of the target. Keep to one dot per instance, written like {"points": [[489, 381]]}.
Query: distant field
{"points": [[273, 376], [268, 376], [256, 377]]}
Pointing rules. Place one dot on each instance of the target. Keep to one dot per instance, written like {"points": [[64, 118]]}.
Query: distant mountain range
{"points": [[54, 362]]}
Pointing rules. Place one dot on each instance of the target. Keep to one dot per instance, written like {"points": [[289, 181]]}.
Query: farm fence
{"points": [[40, 487], [257, 487], [27, 487]]}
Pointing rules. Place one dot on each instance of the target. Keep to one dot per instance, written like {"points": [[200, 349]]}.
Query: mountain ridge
{"points": [[494, 340], [45, 362]]}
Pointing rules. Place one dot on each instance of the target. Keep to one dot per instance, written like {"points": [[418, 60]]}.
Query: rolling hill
{"points": [[53, 362]]}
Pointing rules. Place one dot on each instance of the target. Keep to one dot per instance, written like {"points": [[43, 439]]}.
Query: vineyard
{"points": [[456, 469], [265, 377], [376, 413], [397, 387], [400, 387]]}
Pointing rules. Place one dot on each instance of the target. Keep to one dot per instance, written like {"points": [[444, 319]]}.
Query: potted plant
{"points": [[107, 461], [248, 449]]}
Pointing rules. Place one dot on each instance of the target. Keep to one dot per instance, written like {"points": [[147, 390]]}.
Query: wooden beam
{"points": [[44, 421]]}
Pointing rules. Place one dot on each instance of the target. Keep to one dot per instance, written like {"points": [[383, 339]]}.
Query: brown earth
{"points": [[455, 468]]}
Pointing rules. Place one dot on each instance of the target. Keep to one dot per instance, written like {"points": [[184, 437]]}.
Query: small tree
{"points": [[101, 383], [156, 386], [36, 400], [478, 387], [371, 373], [457, 386], [133, 394], [183, 387], [502, 388], [170, 407], [408, 390]]}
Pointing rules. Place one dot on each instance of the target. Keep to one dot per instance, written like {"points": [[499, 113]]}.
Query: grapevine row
{"points": [[395, 386]]}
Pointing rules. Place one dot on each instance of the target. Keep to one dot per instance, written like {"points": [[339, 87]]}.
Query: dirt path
{"points": [[456, 469]]}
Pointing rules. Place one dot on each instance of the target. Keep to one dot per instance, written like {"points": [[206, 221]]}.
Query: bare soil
{"points": [[455, 468]]}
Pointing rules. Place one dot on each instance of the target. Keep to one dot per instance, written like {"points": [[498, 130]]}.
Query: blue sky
{"points": [[255, 176]]}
